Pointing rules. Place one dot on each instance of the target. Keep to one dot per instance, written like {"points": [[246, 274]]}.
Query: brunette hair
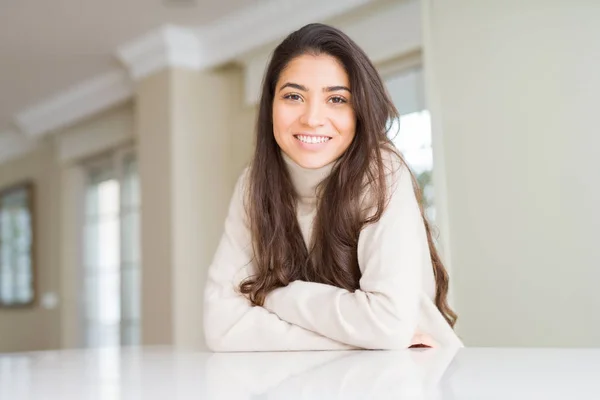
{"points": [[280, 253]]}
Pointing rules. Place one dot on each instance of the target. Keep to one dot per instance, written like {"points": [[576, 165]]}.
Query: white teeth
{"points": [[312, 139]]}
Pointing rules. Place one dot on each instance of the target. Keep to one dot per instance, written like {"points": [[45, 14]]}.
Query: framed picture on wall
{"points": [[17, 264]]}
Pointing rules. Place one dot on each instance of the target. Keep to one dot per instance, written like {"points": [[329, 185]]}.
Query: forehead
{"points": [[315, 71]]}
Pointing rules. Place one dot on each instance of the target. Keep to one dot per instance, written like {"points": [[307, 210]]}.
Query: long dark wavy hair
{"points": [[280, 253]]}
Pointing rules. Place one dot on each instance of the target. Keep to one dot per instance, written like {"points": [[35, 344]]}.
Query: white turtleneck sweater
{"points": [[397, 285]]}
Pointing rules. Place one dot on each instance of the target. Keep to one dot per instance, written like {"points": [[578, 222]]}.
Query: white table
{"points": [[162, 373]]}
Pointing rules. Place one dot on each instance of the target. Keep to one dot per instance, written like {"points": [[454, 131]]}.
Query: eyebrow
{"points": [[305, 89]]}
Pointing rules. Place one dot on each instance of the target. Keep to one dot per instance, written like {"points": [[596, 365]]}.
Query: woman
{"points": [[326, 246]]}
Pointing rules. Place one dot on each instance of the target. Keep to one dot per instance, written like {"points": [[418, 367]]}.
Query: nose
{"points": [[314, 116]]}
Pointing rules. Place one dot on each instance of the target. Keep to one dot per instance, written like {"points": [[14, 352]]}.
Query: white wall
{"points": [[517, 85]]}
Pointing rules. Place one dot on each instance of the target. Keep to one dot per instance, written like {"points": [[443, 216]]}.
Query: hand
{"points": [[422, 340]]}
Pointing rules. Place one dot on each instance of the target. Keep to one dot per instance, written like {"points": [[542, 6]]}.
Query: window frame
{"points": [[29, 187]]}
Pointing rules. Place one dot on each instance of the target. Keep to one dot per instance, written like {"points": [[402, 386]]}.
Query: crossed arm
{"points": [[231, 323], [383, 314]]}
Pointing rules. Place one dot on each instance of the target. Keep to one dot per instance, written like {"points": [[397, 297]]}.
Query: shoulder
{"points": [[396, 173], [395, 169], [243, 178], [239, 199], [396, 186], [401, 185], [242, 185], [403, 192]]}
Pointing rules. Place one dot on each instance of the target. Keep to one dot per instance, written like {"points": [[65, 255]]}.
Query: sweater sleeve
{"points": [[231, 322], [383, 313]]}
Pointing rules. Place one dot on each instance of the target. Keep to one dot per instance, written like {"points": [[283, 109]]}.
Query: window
{"points": [[16, 246], [111, 270], [412, 132]]}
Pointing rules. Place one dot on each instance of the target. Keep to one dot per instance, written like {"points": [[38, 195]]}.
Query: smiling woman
{"points": [[326, 244]]}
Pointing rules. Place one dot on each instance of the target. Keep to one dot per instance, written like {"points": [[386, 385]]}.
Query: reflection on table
{"points": [[149, 373]]}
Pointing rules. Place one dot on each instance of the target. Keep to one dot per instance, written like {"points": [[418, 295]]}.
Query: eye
{"points": [[293, 97], [338, 100]]}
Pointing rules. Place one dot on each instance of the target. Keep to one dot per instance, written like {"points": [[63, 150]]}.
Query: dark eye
{"points": [[292, 96], [337, 100]]}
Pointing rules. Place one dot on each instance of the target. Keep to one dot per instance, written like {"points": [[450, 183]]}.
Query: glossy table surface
{"points": [[163, 373]]}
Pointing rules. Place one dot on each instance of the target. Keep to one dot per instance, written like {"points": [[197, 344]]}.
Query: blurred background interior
{"points": [[124, 125]]}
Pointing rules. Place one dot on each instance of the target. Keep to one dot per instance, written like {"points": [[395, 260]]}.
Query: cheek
{"points": [[346, 124], [283, 118]]}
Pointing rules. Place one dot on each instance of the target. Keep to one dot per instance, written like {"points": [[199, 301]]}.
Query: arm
{"points": [[231, 323], [383, 314]]}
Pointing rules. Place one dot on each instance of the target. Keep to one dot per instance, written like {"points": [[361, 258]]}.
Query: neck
{"points": [[306, 180]]}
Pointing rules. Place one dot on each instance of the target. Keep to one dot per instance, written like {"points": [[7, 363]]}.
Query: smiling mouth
{"points": [[312, 139]]}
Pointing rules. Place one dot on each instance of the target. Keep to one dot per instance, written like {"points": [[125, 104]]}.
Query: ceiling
{"points": [[48, 46]]}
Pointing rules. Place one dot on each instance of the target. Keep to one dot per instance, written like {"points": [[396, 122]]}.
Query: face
{"points": [[313, 118]]}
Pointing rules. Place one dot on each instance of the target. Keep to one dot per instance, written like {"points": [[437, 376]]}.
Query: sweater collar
{"points": [[306, 180]]}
